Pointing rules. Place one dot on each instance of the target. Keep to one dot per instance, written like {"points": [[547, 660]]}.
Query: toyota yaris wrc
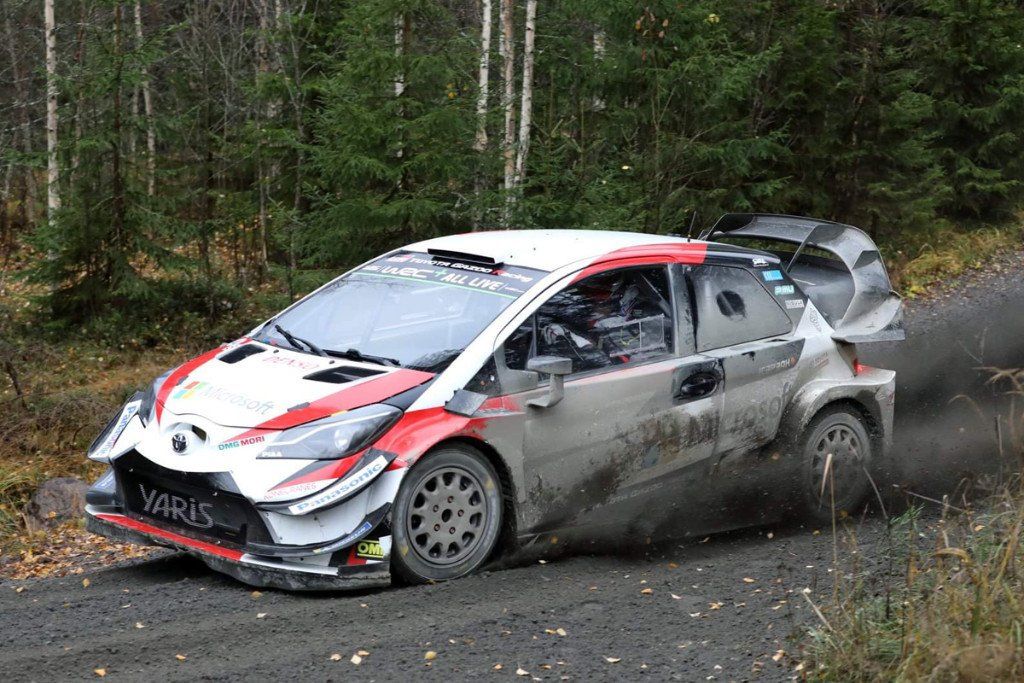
{"points": [[460, 397]]}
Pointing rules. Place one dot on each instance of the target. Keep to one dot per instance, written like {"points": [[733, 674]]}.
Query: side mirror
{"points": [[556, 367]]}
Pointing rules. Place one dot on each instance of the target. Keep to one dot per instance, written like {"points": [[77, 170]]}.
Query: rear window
{"points": [[733, 308]]}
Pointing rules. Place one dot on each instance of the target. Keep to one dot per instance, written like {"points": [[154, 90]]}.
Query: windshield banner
{"points": [[504, 281]]}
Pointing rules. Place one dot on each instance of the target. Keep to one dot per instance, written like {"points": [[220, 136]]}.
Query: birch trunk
{"points": [[483, 79], [147, 104], [508, 99], [526, 104], [52, 171], [600, 48]]}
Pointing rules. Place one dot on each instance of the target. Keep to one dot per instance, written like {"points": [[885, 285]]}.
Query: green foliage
{"points": [[283, 143]]}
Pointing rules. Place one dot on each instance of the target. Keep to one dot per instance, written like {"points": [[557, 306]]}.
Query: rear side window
{"points": [[733, 307]]}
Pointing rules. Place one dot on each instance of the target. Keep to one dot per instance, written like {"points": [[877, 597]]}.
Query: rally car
{"points": [[463, 396]]}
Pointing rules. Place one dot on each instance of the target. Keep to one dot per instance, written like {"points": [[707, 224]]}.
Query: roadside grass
{"points": [[918, 267], [951, 605], [68, 393]]}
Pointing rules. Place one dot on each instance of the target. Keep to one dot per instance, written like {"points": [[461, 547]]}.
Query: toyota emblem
{"points": [[179, 443]]}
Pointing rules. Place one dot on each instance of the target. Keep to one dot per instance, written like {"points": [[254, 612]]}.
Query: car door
{"points": [[639, 405], [742, 326]]}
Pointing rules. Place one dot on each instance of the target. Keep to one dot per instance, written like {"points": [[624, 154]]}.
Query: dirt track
{"points": [[739, 595]]}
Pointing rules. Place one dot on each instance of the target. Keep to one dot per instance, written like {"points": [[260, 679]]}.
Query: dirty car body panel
{"points": [[620, 384]]}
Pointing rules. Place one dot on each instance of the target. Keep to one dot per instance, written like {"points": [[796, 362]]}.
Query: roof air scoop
{"points": [[466, 257]]}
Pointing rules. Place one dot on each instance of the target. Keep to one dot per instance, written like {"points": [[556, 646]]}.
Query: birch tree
{"points": [[526, 105], [484, 76], [147, 103], [507, 48], [52, 169]]}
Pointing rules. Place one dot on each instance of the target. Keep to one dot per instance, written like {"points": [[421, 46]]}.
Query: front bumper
{"points": [[255, 570]]}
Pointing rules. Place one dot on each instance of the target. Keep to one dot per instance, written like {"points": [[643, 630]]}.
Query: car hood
{"points": [[256, 386]]}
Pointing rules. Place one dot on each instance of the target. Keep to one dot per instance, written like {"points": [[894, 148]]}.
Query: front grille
{"points": [[191, 504]]}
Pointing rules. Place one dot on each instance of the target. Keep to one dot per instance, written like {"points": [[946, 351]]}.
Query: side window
{"points": [[613, 318], [733, 307]]}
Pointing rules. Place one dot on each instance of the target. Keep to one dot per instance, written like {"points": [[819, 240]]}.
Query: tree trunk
{"points": [[508, 100], [117, 178], [526, 104], [600, 49], [483, 79], [147, 103], [25, 125], [52, 171]]}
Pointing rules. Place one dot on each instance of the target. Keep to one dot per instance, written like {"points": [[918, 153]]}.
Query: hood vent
{"points": [[342, 374], [241, 353]]}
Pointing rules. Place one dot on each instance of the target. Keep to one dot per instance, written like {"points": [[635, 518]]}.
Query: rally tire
{"points": [[842, 432], [447, 516]]}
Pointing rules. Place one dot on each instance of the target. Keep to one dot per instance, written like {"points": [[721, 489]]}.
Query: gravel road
{"points": [[717, 609]]}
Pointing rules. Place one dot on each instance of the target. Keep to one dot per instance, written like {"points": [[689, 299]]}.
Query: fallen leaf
{"points": [[497, 667], [673, 565], [85, 583], [613, 660], [522, 672], [747, 579], [778, 655], [356, 659], [335, 657], [260, 615], [100, 672], [549, 631], [430, 655], [256, 595], [560, 631], [694, 614], [19, 589], [363, 653], [770, 535], [715, 605], [979, 527], [647, 591], [676, 597], [139, 624], [180, 658]]}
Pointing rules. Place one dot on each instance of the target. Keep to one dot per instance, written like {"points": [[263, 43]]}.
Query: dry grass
{"points": [[917, 268], [69, 392], [952, 605]]}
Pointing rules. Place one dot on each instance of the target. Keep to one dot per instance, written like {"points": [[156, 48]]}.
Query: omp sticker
{"points": [[772, 275], [370, 549], [783, 290], [130, 410], [346, 486], [794, 303]]}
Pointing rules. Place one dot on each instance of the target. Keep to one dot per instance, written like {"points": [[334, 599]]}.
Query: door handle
{"points": [[697, 385]]}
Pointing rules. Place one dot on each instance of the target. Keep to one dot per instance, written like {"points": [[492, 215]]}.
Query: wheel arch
{"points": [[862, 399]]}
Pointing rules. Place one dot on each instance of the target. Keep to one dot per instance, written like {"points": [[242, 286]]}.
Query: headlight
{"points": [[147, 409], [336, 436]]}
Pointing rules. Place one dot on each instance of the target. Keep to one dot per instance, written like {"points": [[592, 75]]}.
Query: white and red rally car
{"points": [[444, 402]]}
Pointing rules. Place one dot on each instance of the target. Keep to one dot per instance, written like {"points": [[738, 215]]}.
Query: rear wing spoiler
{"points": [[875, 311]]}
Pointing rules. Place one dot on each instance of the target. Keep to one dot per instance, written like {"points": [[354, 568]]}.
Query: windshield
{"points": [[417, 309]]}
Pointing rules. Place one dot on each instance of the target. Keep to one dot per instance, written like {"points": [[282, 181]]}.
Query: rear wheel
{"points": [[837, 459], [447, 516]]}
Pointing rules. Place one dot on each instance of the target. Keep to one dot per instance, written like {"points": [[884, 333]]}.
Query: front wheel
{"points": [[836, 451], [447, 516]]}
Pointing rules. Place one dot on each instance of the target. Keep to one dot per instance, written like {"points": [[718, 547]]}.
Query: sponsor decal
{"points": [[343, 488], [760, 262], [783, 290], [285, 361], [794, 303], [505, 281], [130, 411], [295, 490], [820, 361], [175, 508], [370, 549], [213, 392], [784, 364], [247, 441], [772, 275], [812, 316]]}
